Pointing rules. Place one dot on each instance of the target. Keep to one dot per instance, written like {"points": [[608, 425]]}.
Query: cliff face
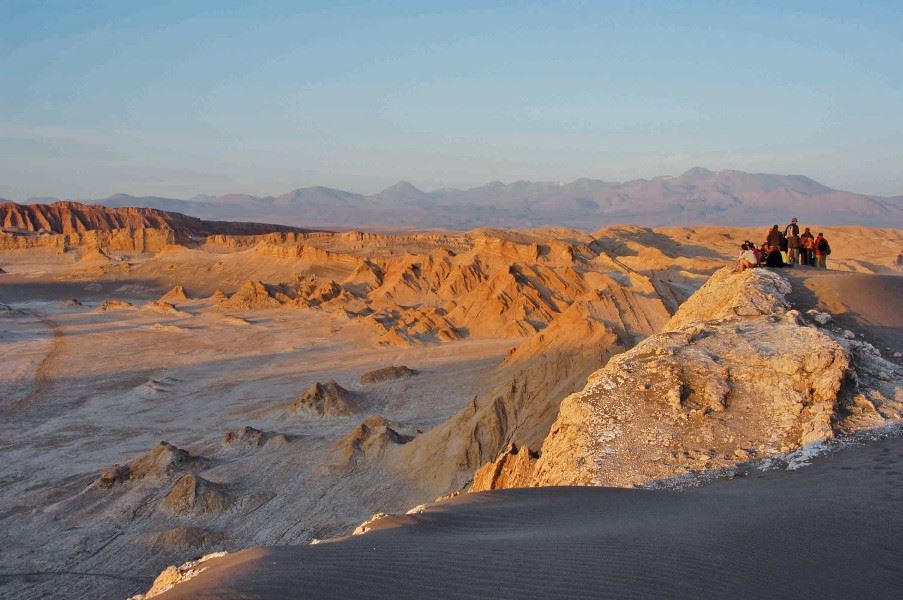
{"points": [[74, 218], [736, 374]]}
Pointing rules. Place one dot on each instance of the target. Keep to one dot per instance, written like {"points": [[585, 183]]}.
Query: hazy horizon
{"points": [[261, 98]]}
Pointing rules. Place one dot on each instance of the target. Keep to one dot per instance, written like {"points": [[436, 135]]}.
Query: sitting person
{"points": [[774, 258], [747, 259]]}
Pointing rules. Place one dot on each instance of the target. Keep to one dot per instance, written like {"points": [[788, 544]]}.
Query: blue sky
{"points": [[183, 98]]}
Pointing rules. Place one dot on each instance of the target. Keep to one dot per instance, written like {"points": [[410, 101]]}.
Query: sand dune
{"points": [[829, 530]]}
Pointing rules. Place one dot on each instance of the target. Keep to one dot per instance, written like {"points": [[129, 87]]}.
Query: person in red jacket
{"points": [[807, 248], [822, 250]]}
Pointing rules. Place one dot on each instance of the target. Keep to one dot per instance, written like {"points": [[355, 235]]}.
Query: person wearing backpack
{"points": [[807, 248], [822, 250]]}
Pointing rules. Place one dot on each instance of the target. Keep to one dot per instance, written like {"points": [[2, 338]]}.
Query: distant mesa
{"points": [[387, 373], [163, 460], [329, 399], [66, 217]]}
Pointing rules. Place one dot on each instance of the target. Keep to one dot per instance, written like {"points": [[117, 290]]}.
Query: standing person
{"points": [[792, 229], [793, 247], [822, 250], [774, 238], [807, 246]]}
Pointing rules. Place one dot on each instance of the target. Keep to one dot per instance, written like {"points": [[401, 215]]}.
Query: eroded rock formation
{"points": [[735, 374]]}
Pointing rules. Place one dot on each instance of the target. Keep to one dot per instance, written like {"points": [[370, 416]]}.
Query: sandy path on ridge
{"points": [[872, 304]]}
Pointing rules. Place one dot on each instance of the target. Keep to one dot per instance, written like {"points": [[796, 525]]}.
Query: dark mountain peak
{"points": [[403, 190], [403, 186]]}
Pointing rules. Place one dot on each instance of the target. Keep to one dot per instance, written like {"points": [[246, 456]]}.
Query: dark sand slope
{"points": [[830, 530], [871, 304]]}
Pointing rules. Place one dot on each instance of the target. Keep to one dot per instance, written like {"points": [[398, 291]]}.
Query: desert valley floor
{"points": [[303, 381]]}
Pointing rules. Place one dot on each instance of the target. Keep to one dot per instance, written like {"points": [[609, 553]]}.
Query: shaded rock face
{"points": [[387, 373], [193, 495], [734, 375], [329, 399], [512, 469]]}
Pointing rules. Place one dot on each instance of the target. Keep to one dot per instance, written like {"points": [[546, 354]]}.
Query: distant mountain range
{"points": [[698, 196]]}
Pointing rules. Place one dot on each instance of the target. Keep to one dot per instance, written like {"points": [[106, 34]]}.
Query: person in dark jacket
{"points": [[822, 250], [793, 248], [792, 229], [774, 238], [774, 259]]}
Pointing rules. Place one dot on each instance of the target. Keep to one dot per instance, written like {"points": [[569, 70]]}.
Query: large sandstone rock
{"points": [[735, 374]]}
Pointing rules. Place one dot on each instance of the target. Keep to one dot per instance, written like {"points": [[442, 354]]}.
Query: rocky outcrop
{"points": [[163, 460], [252, 295], [386, 374], [512, 469], [173, 575], [736, 374], [329, 399]]}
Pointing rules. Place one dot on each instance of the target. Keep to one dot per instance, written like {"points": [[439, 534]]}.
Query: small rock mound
{"points": [[329, 400], [386, 374], [162, 460], [165, 308], [368, 440], [249, 437], [112, 304], [233, 320], [73, 302], [193, 495], [252, 295], [176, 294]]}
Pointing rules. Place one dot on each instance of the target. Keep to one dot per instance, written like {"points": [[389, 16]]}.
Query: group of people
{"points": [[785, 249]]}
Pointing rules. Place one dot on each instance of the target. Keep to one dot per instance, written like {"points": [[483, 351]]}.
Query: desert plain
{"points": [[173, 388]]}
